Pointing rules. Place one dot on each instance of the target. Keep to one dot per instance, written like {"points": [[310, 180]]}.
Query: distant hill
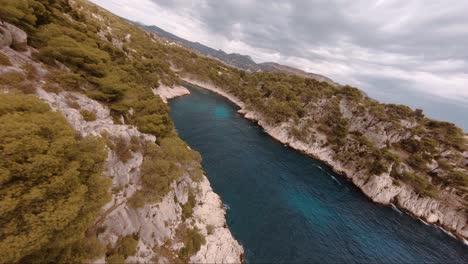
{"points": [[275, 67], [236, 60]]}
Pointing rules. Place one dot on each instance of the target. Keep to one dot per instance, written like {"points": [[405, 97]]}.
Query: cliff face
{"points": [[159, 226], [445, 210], [156, 224]]}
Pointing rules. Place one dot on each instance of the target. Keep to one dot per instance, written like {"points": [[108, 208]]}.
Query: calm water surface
{"points": [[284, 207]]}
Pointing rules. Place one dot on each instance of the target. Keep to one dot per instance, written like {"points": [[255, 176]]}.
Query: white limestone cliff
{"points": [[166, 92]]}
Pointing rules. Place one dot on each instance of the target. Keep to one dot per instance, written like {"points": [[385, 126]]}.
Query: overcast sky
{"points": [[380, 46]]}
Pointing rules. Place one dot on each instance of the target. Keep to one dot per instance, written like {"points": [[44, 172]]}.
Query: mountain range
{"points": [[236, 60]]}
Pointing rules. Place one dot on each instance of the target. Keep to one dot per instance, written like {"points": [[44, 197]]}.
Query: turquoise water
{"points": [[284, 207]]}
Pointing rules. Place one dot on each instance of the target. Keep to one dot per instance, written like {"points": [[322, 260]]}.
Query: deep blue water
{"points": [[285, 207]]}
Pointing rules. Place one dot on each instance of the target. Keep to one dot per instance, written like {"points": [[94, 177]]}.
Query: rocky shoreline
{"points": [[166, 92], [379, 188]]}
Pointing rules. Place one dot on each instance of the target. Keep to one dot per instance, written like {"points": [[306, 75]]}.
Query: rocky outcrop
{"points": [[167, 92], [11, 35], [380, 188], [378, 132]]}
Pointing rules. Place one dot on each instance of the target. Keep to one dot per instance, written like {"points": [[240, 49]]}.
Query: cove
{"points": [[285, 207]]}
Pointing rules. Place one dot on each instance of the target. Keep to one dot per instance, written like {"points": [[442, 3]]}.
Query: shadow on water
{"points": [[285, 207]]}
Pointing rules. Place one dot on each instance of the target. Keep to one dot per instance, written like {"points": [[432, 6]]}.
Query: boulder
{"points": [[12, 36]]}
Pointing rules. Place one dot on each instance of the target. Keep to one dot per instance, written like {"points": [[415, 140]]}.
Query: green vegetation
{"points": [[99, 69], [11, 78], [420, 184], [210, 229], [15, 81], [192, 240], [65, 81], [88, 116], [115, 259], [20, 12], [51, 184], [445, 133], [163, 164], [124, 247], [333, 125], [187, 208], [459, 178], [120, 146], [4, 60]]}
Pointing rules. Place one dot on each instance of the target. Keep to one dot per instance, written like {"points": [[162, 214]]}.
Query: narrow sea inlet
{"points": [[285, 207]]}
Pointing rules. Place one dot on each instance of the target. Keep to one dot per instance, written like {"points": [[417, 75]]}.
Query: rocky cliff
{"points": [[157, 226]]}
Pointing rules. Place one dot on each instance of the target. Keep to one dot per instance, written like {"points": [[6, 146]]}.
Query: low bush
{"points": [[121, 147], [420, 184], [88, 116], [4, 60], [210, 229], [193, 240], [377, 167], [187, 208], [66, 81], [115, 259], [417, 162], [459, 178], [11, 79]]}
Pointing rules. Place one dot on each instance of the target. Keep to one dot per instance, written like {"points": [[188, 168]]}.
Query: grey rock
{"points": [[11, 35]]}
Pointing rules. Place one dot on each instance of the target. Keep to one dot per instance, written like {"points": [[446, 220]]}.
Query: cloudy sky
{"points": [[413, 52]]}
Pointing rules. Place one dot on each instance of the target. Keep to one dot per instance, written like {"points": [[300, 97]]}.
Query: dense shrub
{"points": [[163, 164], [350, 93], [19, 12], [193, 240], [125, 246], [51, 183], [334, 125], [66, 81]]}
